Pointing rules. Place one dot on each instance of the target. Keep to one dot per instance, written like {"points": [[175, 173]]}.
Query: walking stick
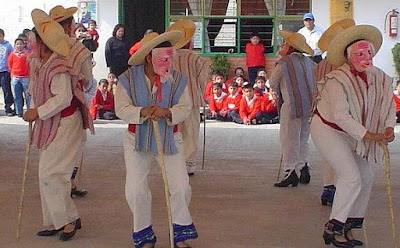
{"points": [[389, 192], [279, 170], [25, 172], [164, 174], [204, 137]]}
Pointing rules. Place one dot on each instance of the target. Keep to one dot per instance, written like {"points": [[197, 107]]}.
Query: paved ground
{"points": [[234, 203]]}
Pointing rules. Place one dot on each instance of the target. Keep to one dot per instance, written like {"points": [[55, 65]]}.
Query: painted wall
{"points": [[366, 12]]}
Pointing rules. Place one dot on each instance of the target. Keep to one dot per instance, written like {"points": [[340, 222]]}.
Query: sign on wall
{"points": [[340, 9], [87, 10]]}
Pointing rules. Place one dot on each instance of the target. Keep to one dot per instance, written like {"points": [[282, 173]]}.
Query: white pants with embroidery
{"points": [[137, 192], [355, 176], [294, 134], [55, 166], [190, 134]]}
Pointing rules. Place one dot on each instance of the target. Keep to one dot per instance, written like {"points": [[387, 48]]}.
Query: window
{"points": [[226, 25]]}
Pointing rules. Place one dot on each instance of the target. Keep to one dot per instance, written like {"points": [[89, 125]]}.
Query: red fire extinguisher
{"points": [[392, 17]]}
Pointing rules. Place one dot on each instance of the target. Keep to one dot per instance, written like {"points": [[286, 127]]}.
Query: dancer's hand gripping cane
{"points": [[25, 172]]}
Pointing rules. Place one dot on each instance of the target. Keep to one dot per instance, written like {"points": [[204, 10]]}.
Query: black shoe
{"points": [[305, 175], [191, 174], [328, 195], [291, 179], [355, 242], [9, 114], [67, 236], [78, 193], [48, 233], [330, 239]]}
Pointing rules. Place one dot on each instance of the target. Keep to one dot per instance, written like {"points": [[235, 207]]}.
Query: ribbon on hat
{"points": [[43, 25]]}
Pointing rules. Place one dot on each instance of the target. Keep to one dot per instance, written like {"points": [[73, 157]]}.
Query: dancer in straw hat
{"points": [[355, 113], [81, 69], [197, 70], [323, 68], [57, 133], [292, 79], [152, 90]]}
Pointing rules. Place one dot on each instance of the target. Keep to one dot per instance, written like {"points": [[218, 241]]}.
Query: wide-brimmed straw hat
{"points": [[297, 41], [59, 13], [51, 32], [332, 31], [339, 44], [187, 27], [150, 41]]}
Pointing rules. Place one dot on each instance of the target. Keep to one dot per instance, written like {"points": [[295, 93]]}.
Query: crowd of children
{"points": [[238, 100]]}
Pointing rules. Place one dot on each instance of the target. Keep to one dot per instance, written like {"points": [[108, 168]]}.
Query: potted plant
{"points": [[221, 63]]}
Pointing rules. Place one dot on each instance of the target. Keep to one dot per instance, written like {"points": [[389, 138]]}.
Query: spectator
{"points": [[5, 80], [216, 77], [117, 51], [255, 58], [216, 102], [232, 103], [91, 30], [103, 103], [250, 105], [312, 34], [137, 45], [396, 97]]}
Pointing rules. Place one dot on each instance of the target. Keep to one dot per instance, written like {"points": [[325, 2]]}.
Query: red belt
{"points": [[331, 124], [71, 109], [132, 128]]}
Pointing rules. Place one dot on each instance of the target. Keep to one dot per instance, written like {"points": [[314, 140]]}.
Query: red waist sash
{"points": [[331, 124]]}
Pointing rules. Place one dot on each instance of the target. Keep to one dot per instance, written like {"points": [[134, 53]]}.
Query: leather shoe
{"points": [[330, 239], [78, 193], [305, 175], [48, 233], [65, 236], [290, 179]]}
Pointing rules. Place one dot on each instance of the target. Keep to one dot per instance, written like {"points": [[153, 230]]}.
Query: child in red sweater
{"points": [[216, 102], [259, 87], [232, 104], [250, 105], [238, 72], [396, 97], [103, 103], [217, 77], [20, 76], [239, 80], [93, 32], [255, 58], [269, 110]]}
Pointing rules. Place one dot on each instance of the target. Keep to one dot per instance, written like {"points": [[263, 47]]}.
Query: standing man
{"points": [[5, 79], [197, 70], [80, 61], [356, 111], [293, 81], [312, 34], [152, 91]]}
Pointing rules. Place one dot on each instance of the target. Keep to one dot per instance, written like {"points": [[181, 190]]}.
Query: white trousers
{"points": [[294, 134], [137, 192], [355, 176], [328, 176], [190, 128], [56, 163]]}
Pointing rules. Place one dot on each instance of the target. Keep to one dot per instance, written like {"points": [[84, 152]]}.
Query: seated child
{"points": [[103, 103], [259, 86], [231, 104], [216, 102], [240, 81], [269, 110], [216, 77], [250, 105], [262, 72], [396, 97], [238, 72], [112, 83]]}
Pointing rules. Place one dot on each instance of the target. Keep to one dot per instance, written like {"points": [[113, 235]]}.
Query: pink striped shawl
{"points": [[44, 131], [323, 68], [370, 107]]}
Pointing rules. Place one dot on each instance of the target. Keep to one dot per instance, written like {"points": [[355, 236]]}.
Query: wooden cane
{"points": [[279, 169], [389, 192], [164, 174], [25, 172], [204, 137]]}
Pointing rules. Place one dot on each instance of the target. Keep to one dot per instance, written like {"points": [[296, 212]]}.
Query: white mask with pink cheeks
{"points": [[33, 45], [162, 59], [360, 55]]}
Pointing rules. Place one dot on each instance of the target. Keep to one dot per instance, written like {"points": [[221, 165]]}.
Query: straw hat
{"points": [[51, 32], [296, 40], [332, 31], [59, 13], [150, 41], [338, 45], [187, 27]]}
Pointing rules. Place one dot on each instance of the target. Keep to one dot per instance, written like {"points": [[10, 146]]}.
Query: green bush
{"points": [[220, 63], [396, 58]]}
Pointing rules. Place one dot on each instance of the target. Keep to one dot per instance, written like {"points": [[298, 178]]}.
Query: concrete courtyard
{"points": [[234, 203]]}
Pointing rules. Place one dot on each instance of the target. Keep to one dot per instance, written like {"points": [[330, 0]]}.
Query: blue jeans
{"points": [[6, 87], [20, 88]]}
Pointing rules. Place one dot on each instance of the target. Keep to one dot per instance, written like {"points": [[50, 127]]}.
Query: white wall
{"points": [[16, 16], [371, 12]]}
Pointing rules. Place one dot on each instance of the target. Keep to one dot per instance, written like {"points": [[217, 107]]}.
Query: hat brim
{"points": [[138, 57], [51, 32], [338, 45], [187, 27], [332, 31], [297, 41], [67, 14]]}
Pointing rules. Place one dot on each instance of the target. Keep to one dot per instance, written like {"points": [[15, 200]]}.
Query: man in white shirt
{"points": [[312, 34]]}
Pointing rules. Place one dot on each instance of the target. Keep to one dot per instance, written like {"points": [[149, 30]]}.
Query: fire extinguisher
{"points": [[392, 18]]}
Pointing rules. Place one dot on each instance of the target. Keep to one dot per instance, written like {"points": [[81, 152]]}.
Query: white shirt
{"points": [[312, 38]]}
